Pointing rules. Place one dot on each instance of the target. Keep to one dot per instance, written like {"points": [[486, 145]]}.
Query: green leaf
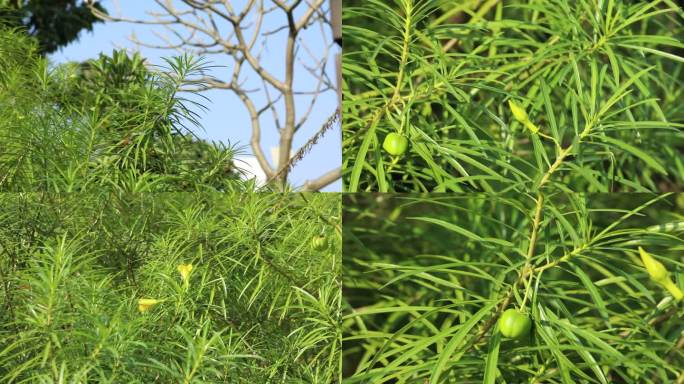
{"points": [[491, 371], [464, 232], [648, 159]]}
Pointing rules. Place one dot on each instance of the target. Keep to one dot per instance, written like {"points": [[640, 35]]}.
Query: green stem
{"points": [[395, 161], [539, 207], [405, 49]]}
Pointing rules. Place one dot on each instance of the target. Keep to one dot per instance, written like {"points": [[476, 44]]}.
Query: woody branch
{"points": [[215, 27]]}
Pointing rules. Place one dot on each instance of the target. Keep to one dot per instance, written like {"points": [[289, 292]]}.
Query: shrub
{"points": [[257, 305], [108, 123]]}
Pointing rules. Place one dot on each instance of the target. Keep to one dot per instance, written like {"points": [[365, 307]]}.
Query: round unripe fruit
{"points": [[318, 243], [514, 324], [395, 144]]}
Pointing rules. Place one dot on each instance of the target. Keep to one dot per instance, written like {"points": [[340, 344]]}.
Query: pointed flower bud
{"points": [[654, 268], [518, 112], [660, 274]]}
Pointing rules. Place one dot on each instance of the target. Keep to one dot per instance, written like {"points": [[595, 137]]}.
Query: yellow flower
{"points": [[654, 268], [145, 304], [185, 270]]}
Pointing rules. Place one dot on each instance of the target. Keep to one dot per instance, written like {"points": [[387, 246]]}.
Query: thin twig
{"points": [[306, 148]]}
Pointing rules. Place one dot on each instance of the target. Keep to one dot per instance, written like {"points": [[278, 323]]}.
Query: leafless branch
{"points": [[323, 181], [306, 148], [211, 27]]}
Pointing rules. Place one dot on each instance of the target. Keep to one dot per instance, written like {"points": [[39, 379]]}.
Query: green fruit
{"points": [[395, 144], [514, 324], [318, 243]]}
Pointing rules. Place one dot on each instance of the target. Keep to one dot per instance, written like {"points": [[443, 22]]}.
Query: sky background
{"points": [[226, 119]]}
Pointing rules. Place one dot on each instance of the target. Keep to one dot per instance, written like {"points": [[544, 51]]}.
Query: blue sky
{"points": [[226, 119]]}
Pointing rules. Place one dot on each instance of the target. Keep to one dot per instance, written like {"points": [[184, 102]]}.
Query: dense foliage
{"points": [[113, 122], [259, 303], [54, 23], [598, 84], [426, 278]]}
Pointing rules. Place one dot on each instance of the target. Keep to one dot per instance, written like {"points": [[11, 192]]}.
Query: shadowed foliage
{"points": [[54, 23], [426, 277]]}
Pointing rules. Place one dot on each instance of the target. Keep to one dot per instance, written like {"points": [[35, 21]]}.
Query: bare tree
{"points": [[216, 27]]}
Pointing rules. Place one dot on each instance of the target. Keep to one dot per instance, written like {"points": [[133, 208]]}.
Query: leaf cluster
{"points": [[600, 80]]}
